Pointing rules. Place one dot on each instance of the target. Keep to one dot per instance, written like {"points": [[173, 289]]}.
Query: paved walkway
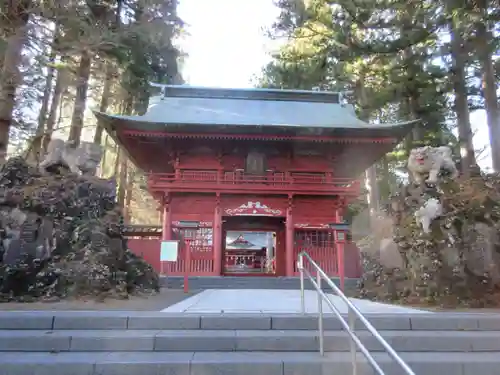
{"points": [[273, 301], [154, 302]]}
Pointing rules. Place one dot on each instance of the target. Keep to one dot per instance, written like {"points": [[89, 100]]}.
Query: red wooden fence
{"points": [[321, 249], [148, 248], [320, 245]]}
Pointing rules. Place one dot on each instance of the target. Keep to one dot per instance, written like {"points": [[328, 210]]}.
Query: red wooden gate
{"points": [[202, 254], [148, 247], [320, 245]]}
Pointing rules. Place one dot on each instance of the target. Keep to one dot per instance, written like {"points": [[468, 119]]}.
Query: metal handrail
{"points": [[348, 325]]}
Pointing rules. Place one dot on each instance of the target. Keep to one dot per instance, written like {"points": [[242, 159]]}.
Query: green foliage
{"points": [[392, 54]]}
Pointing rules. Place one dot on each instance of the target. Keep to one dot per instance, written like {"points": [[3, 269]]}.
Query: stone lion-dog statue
{"points": [[81, 159], [431, 210], [429, 161]]}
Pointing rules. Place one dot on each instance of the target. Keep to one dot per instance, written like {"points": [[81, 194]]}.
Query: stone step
{"points": [[246, 340], [240, 363], [245, 282], [122, 320]]}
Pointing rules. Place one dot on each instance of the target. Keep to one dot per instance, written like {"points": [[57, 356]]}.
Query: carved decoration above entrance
{"points": [[311, 226], [252, 209]]}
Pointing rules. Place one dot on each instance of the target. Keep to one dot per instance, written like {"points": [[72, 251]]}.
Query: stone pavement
{"points": [[275, 301], [145, 302]]}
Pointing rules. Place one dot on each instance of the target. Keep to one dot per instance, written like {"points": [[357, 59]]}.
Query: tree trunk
{"points": [[372, 187], [2, 53], [385, 185], [106, 93], [410, 92], [122, 181], [461, 104], [127, 105], [116, 166], [371, 184], [42, 116], [9, 80], [104, 156], [129, 192], [83, 76], [484, 48], [404, 112], [417, 131], [109, 76], [54, 106]]}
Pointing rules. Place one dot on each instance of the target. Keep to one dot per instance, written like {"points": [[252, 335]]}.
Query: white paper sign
{"points": [[169, 251]]}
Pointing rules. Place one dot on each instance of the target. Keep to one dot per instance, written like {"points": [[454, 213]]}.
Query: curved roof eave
{"points": [[141, 124]]}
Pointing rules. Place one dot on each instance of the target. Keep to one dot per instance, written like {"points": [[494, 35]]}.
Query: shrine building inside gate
{"points": [[267, 174]]}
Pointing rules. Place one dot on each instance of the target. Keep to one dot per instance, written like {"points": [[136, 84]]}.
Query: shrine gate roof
{"points": [[187, 108]]}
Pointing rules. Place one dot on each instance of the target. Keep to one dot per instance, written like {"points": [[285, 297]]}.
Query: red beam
{"points": [[211, 177], [255, 189], [268, 184], [276, 192], [162, 134]]}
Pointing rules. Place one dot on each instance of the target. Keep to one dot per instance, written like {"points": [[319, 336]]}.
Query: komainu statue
{"points": [[429, 161], [431, 210], [443, 246], [82, 159]]}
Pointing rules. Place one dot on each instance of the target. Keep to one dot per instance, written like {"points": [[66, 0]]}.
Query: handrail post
{"points": [[351, 320], [300, 266], [187, 265], [320, 316], [353, 314]]}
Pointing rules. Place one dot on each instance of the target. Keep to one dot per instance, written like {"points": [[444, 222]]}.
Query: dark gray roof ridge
{"points": [[188, 91], [185, 106]]}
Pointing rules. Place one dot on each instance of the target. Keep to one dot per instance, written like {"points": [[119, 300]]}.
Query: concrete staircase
{"points": [[144, 343], [244, 282]]}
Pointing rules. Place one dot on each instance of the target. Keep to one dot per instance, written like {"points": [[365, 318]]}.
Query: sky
{"points": [[227, 47], [227, 44]]}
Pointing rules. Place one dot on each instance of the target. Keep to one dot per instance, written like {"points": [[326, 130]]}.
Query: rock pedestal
{"points": [[457, 262], [61, 236]]}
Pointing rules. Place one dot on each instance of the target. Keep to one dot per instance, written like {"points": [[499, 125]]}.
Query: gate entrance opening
{"points": [[250, 252], [253, 245]]}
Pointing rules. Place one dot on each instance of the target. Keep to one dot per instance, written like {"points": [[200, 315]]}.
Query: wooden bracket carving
{"points": [[167, 199], [220, 154], [343, 202], [340, 203], [290, 202], [217, 204]]}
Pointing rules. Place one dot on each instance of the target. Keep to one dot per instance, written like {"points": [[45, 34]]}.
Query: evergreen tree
{"points": [[397, 60], [58, 60]]}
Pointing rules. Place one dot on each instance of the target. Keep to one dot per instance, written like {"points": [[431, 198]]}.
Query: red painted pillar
{"points": [[340, 251], [166, 226], [166, 229], [217, 239], [289, 241]]}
